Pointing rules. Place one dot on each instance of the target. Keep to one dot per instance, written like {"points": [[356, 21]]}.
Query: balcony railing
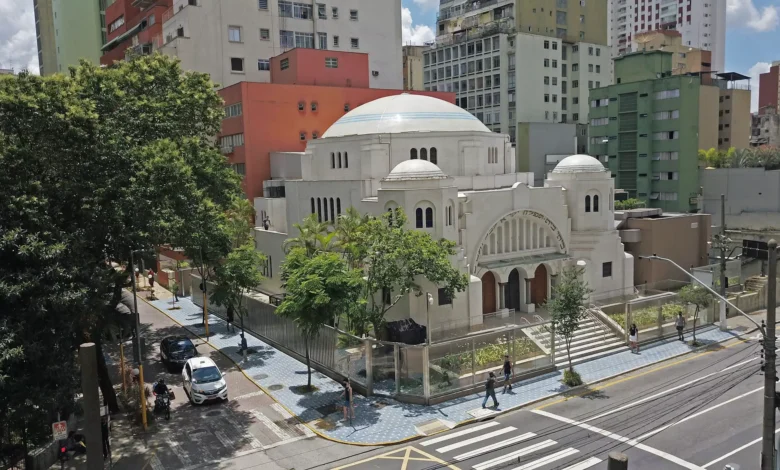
{"points": [[504, 25]]}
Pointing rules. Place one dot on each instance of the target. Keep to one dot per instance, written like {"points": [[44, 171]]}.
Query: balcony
{"points": [[504, 25], [143, 4], [177, 7]]}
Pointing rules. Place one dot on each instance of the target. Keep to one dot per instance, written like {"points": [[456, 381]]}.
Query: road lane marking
{"points": [[547, 459], [619, 438], [179, 452], [242, 432], [489, 435], [585, 464], [280, 433], [687, 418], [512, 456], [250, 395], [305, 430], [460, 433], [738, 449], [497, 445], [405, 459], [590, 390], [669, 390]]}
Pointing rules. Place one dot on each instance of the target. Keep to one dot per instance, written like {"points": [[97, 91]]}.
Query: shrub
{"points": [[571, 378]]}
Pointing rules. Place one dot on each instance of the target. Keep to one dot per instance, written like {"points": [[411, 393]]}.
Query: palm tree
{"points": [[348, 231], [313, 236]]}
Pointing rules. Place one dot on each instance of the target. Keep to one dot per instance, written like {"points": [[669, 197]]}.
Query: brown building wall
{"points": [[682, 239], [767, 90], [734, 119], [708, 116]]}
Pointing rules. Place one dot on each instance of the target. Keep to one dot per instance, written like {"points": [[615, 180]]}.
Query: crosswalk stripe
{"points": [[483, 437], [514, 455], [271, 425], [585, 464], [548, 459], [497, 445], [460, 433]]}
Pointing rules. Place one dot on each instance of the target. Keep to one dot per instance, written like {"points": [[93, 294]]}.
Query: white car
{"points": [[203, 381]]}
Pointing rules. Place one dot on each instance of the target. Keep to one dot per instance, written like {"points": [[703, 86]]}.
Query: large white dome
{"points": [[405, 113], [579, 164]]}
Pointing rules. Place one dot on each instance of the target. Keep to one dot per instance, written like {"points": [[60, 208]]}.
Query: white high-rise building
{"points": [[702, 24], [234, 40]]}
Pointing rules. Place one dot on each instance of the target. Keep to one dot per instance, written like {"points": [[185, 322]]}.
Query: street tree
{"points": [[318, 288], [567, 308], [698, 297], [313, 236]]}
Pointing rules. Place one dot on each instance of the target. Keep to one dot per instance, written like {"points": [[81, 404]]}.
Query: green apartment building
{"points": [[647, 129], [68, 31]]}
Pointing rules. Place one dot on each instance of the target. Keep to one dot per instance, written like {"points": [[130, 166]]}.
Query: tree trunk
{"points": [[104, 379], [695, 316], [308, 362], [568, 354]]}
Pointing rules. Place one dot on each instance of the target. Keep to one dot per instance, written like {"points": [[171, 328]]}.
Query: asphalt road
{"points": [[700, 411]]}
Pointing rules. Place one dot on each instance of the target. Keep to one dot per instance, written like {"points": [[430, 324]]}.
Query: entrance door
{"points": [[539, 286], [512, 294], [488, 293]]}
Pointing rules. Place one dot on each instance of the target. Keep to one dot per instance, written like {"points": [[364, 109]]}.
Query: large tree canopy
{"points": [[95, 163]]}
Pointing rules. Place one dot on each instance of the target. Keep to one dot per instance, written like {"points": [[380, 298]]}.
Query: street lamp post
{"points": [[428, 303], [768, 334]]}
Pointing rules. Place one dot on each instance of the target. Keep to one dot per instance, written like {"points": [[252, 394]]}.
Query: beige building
{"points": [[571, 21], [734, 120], [44, 35], [413, 67], [683, 238], [686, 59]]}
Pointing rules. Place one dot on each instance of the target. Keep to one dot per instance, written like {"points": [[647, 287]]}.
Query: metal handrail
{"points": [[597, 320]]}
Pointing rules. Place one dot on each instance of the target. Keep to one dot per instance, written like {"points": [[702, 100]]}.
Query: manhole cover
{"points": [[260, 376], [275, 387]]}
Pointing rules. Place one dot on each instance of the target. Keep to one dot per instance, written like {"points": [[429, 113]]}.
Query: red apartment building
{"points": [[310, 89], [133, 24], [768, 84]]}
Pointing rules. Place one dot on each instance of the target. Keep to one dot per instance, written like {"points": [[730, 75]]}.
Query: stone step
{"points": [[561, 360]]}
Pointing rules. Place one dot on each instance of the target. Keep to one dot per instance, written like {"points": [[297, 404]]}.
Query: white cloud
{"points": [[18, 49], [745, 14], [427, 4], [753, 73], [414, 34]]}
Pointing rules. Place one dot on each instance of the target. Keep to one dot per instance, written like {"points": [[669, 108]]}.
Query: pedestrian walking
{"points": [[151, 278], [507, 374], [679, 322], [349, 407], [490, 391], [104, 434], [137, 277], [633, 338], [230, 318]]}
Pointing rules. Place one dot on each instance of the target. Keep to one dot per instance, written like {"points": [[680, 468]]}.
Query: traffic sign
{"points": [[60, 430]]}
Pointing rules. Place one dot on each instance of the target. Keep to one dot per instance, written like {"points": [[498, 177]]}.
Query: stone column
{"points": [[527, 292], [502, 295]]}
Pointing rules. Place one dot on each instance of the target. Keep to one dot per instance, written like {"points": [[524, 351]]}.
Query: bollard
{"points": [[617, 461]]}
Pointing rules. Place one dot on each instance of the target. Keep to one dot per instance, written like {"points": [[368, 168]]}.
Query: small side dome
{"points": [[415, 170], [579, 164]]}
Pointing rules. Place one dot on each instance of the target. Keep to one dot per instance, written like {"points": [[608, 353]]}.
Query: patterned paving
{"points": [[381, 420]]}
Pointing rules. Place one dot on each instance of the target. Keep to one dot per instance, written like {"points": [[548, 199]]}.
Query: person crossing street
{"points": [[490, 391]]}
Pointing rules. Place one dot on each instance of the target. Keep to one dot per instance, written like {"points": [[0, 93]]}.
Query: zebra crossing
{"points": [[493, 445]]}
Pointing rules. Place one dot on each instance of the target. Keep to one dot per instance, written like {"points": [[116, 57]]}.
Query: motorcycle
{"points": [[162, 403]]}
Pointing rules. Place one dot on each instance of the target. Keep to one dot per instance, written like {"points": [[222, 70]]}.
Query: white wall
{"points": [[752, 196]]}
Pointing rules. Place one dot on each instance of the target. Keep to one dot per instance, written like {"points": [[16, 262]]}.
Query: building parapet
{"points": [[502, 26]]}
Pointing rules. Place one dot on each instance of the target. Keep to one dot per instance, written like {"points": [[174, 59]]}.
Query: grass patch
{"points": [[571, 378]]}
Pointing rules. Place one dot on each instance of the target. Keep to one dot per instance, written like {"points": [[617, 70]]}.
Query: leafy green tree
{"points": [[717, 158], [567, 308], [313, 236], [317, 290], [349, 235], [697, 296], [239, 222]]}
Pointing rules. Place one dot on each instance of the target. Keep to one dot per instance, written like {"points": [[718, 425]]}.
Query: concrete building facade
{"points": [[68, 31], [44, 36], [765, 129], [685, 59], [456, 180], [734, 118], [134, 27], [701, 23], [648, 130], [234, 41], [752, 197], [413, 67]]}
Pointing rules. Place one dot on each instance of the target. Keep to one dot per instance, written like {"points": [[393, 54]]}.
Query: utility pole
{"points": [[140, 357], [722, 242], [768, 442], [91, 404]]}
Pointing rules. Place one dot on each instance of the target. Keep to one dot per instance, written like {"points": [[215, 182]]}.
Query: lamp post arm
{"points": [[693, 278]]}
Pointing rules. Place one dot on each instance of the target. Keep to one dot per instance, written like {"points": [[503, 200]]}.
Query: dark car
{"points": [[175, 350]]}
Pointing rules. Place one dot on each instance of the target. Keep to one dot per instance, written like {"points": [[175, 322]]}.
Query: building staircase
{"points": [[592, 340]]}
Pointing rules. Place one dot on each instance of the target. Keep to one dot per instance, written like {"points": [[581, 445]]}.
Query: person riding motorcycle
{"points": [[161, 390]]}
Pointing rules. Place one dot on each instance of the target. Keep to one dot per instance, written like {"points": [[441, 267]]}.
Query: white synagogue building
{"points": [[455, 179]]}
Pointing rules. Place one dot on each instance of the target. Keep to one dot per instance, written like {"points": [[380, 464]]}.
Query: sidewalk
{"points": [[384, 421]]}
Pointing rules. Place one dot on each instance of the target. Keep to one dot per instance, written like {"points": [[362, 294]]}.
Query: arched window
{"points": [[319, 210], [423, 154], [346, 160], [419, 217], [325, 203], [332, 160], [413, 154], [428, 218], [338, 205], [339, 159], [587, 203], [313, 210], [434, 155], [595, 203], [332, 212]]}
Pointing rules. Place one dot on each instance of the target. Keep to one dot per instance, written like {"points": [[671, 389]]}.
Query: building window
{"points": [[444, 297], [338, 205], [284, 64], [331, 62], [418, 217], [295, 10], [319, 210], [303, 136], [546, 62], [304, 40], [262, 4], [428, 217], [355, 43], [595, 203], [546, 44], [667, 94], [353, 15], [334, 12], [335, 41], [587, 203], [423, 154], [346, 160], [236, 64], [339, 159], [234, 33], [413, 154], [287, 39], [606, 269], [233, 110], [234, 140], [434, 155], [321, 11], [114, 25], [313, 209], [575, 84], [265, 34], [263, 64], [323, 40]]}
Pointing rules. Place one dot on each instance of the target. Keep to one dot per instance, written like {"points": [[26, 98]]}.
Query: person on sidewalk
{"points": [[349, 406], [151, 278], [507, 374], [633, 338], [230, 318], [490, 391], [679, 322]]}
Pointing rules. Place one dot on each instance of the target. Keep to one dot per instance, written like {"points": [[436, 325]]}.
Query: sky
{"points": [[752, 38]]}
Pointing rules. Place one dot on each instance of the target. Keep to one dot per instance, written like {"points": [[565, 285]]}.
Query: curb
{"points": [[468, 421]]}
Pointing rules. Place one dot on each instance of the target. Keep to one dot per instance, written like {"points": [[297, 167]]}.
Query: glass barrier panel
{"points": [[411, 368], [449, 366], [383, 368]]}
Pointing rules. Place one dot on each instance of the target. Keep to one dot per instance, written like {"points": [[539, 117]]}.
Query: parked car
{"points": [[203, 381], [176, 350]]}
